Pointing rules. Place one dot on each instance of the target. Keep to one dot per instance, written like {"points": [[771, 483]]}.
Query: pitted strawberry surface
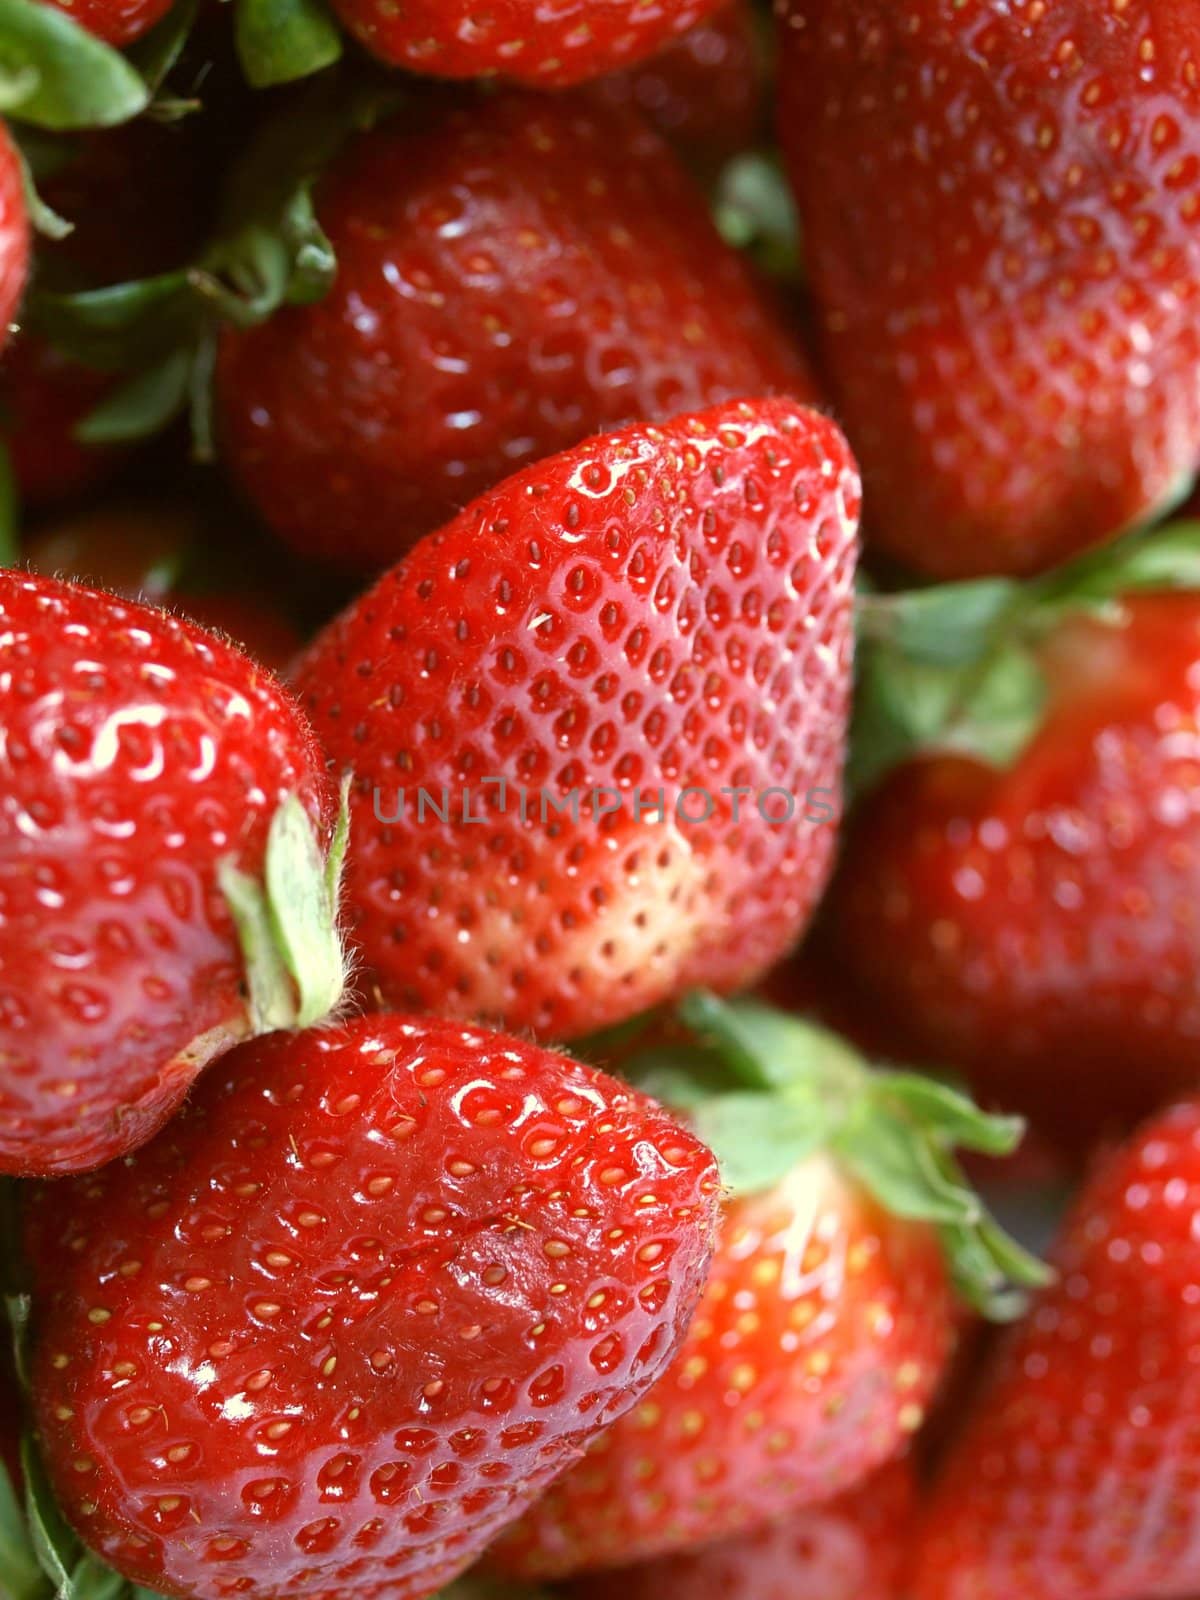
{"points": [[663, 609], [356, 1307]]}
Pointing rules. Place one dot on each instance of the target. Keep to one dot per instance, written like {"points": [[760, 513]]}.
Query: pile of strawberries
{"points": [[600, 799]]}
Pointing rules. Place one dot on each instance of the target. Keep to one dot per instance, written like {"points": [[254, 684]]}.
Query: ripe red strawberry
{"points": [[827, 1321], [161, 553], [549, 46], [1002, 228], [851, 1549], [1074, 1478], [663, 612], [515, 274], [707, 91], [14, 233], [356, 1307], [1028, 917], [117, 22], [146, 769]]}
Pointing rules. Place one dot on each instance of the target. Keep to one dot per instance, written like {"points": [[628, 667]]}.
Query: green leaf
{"points": [[288, 925], [201, 403], [272, 1004], [950, 1115], [908, 703], [18, 1308], [156, 52], [763, 1045], [21, 1578], [279, 41], [678, 1075], [58, 1550], [10, 512], [142, 406], [303, 911], [44, 218], [121, 327], [956, 667], [754, 210], [949, 625], [1154, 560], [92, 1580], [792, 1089], [54, 73], [759, 1138], [895, 1164]]}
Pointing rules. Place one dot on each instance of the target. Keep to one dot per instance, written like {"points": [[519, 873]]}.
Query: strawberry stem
{"points": [[768, 1090]]}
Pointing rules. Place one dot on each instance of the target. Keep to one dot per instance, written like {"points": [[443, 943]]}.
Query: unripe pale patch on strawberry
{"points": [[666, 608]]}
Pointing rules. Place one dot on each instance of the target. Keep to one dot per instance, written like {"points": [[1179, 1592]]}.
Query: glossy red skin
{"points": [[139, 752], [851, 1549], [549, 47], [1001, 210], [823, 1332], [1075, 1476], [117, 22], [14, 234], [446, 1258], [707, 91], [43, 396], [1036, 927], [148, 552], [515, 273], [662, 608]]}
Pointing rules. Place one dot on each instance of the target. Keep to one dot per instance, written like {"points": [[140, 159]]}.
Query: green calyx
{"points": [[767, 1091], [295, 962], [754, 211], [269, 251], [956, 668], [55, 74], [279, 41]]}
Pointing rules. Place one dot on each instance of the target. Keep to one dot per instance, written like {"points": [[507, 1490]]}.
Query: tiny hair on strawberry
{"points": [[170, 856]]}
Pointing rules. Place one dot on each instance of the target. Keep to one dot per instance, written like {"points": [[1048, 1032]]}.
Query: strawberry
{"points": [[851, 1549], [706, 91], [159, 553], [149, 772], [548, 46], [1016, 894], [658, 615], [1020, 375], [356, 1307], [117, 22], [514, 273], [14, 233], [1073, 1477], [828, 1319]]}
